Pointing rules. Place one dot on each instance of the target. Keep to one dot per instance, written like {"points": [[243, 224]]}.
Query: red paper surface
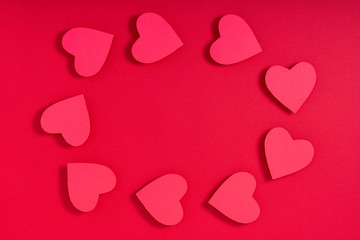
{"points": [[184, 114]]}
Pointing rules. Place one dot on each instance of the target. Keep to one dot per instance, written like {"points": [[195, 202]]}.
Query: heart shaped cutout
{"points": [[89, 47], [236, 43], [157, 39], [68, 117], [234, 198], [291, 86], [161, 198], [86, 181], [285, 155]]}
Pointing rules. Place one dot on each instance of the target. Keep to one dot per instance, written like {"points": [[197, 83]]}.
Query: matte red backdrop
{"points": [[184, 114]]}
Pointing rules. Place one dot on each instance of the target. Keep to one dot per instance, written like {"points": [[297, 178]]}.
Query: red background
{"points": [[184, 114]]}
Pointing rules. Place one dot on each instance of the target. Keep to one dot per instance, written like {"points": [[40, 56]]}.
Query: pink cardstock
{"points": [[86, 181], [89, 47], [234, 198], [236, 43], [68, 117], [291, 86], [161, 198], [285, 155], [157, 39]]}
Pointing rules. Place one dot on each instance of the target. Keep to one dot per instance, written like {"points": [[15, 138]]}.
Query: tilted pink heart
{"points": [[90, 48], [86, 181], [70, 118], [291, 87], [234, 198], [161, 198], [237, 41], [157, 39], [285, 155]]}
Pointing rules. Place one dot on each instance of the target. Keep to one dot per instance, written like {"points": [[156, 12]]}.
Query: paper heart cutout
{"points": [[234, 198], [68, 117], [285, 155], [89, 47], [291, 86], [236, 43], [157, 39], [86, 181], [161, 198]]}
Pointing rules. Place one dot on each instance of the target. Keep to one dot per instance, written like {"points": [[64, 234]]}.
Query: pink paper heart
{"points": [[157, 39], [86, 181], [70, 118], [161, 198], [90, 48], [234, 198], [285, 155], [236, 43], [291, 87]]}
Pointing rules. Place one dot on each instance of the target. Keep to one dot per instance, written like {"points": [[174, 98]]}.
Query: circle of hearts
{"points": [[161, 197]]}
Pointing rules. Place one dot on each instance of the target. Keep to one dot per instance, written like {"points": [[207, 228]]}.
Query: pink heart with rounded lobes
{"points": [[236, 43], [234, 198], [86, 181], [285, 155], [291, 86], [89, 47], [161, 198], [157, 39], [68, 117]]}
